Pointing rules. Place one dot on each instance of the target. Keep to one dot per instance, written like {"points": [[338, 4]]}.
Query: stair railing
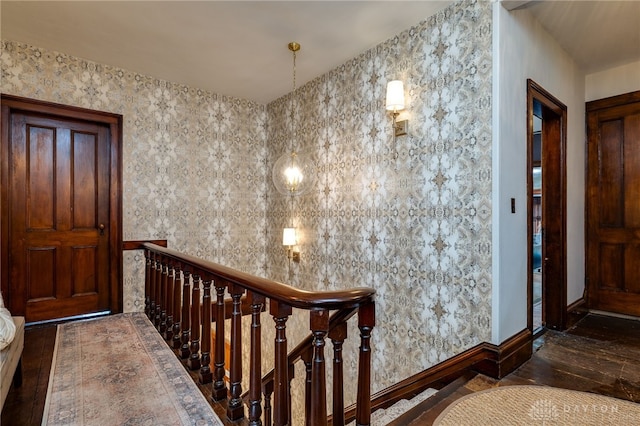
{"points": [[173, 302]]}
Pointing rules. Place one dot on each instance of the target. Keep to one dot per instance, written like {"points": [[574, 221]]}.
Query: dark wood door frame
{"points": [[114, 122], [554, 196]]}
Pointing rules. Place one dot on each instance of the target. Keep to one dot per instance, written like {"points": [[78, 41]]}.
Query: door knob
{"points": [[101, 228]]}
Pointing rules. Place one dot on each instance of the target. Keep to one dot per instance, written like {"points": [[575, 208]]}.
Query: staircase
{"points": [[424, 410]]}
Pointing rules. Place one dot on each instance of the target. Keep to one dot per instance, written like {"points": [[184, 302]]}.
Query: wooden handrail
{"points": [[174, 283], [274, 290]]}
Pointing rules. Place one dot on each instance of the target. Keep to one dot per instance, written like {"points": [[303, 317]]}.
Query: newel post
{"points": [[366, 322]]}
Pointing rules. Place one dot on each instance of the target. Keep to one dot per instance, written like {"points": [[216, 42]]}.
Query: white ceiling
{"points": [[596, 34], [239, 48]]}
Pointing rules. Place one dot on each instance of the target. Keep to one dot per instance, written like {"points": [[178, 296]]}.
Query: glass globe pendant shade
{"points": [[293, 174]]}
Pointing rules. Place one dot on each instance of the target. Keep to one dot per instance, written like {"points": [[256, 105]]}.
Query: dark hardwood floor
{"points": [[24, 405], [599, 354]]}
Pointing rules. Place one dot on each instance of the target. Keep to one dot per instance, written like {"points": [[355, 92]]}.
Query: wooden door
{"points": [[58, 229], [613, 204]]}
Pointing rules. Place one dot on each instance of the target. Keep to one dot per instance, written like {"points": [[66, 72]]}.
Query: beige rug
{"points": [[117, 370], [538, 405]]}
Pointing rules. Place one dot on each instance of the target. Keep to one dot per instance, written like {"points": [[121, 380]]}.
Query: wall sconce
{"points": [[289, 240], [395, 103]]}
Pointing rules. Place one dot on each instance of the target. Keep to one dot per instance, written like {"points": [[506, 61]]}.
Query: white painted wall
{"points": [[523, 49], [612, 82]]}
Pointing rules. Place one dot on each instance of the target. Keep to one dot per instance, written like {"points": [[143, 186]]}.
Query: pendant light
{"points": [[292, 173]]}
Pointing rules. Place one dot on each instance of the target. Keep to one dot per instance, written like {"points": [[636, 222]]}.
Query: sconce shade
{"points": [[293, 174], [289, 237], [395, 95]]}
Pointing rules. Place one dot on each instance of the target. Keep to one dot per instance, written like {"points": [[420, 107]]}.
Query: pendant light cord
{"points": [[294, 47]]}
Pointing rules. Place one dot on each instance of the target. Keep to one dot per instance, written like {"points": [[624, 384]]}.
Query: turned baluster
{"points": [[338, 335], [267, 391], [194, 358], [292, 371], [159, 297], [205, 375], [219, 391], [281, 403], [147, 282], [186, 316], [163, 297], [235, 407], [319, 325], [366, 322], [152, 286], [255, 362], [307, 358], [171, 282], [177, 304]]}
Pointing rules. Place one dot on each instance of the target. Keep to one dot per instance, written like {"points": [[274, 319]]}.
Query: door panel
{"points": [[86, 270], [59, 198], [40, 185], [613, 204], [41, 277]]}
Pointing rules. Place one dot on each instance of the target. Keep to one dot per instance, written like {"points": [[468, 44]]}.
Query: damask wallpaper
{"points": [[411, 219], [193, 161]]}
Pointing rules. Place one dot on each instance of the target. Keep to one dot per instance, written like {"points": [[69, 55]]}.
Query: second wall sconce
{"points": [[289, 240], [395, 103]]}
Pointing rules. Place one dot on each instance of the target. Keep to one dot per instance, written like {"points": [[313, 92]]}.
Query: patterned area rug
{"points": [[538, 405], [117, 370]]}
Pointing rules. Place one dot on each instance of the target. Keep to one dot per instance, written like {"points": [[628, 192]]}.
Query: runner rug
{"points": [[538, 405], [117, 370]]}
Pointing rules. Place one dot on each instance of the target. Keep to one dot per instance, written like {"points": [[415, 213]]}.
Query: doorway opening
{"points": [[536, 201], [546, 210]]}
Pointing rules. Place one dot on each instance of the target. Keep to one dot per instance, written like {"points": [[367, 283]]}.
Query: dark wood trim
{"points": [[554, 226], [138, 244], [576, 311], [493, 360], [4, 208], [502, 359], [579, 304], [114, 121], [613, 101]]}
